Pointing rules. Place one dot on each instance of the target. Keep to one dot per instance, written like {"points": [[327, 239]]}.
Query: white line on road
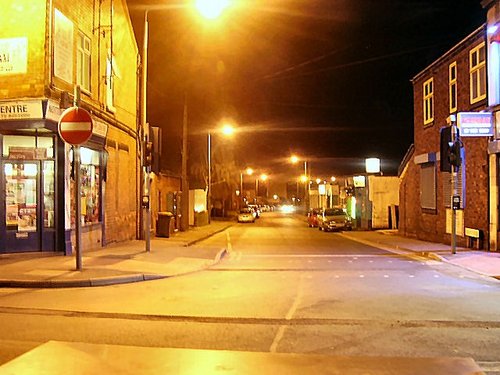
{"points": [[311, 256], [289, 315], [228, 243]]}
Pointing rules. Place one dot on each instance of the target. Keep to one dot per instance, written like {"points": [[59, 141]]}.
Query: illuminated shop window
{"points": [[90, 177], [27, 147]]}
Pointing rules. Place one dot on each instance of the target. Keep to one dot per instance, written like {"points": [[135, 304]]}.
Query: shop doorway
{"points": [[28, 204]]}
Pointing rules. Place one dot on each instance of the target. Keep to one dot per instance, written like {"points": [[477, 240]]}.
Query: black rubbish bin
{"points": [[164, 224]]}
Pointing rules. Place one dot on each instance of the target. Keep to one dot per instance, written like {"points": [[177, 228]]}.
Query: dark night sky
{"points": [[325, 79]]}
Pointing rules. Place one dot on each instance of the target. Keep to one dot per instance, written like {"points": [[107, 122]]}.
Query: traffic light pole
{"points": [[454, 192]]}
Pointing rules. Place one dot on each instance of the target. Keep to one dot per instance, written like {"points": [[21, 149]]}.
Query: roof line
{"points": [[478, 31]]}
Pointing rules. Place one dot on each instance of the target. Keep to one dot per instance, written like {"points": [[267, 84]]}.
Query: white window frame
{"points": [[428, 195], [477, 71], [83, 62], [452, 79], [428, 101]]}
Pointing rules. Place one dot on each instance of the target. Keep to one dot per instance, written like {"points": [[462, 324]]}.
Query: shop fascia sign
{"points": [[21, 110], [475, 124]]}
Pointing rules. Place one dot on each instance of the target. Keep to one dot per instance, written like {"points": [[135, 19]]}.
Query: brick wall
{"points": [[431, 224]]}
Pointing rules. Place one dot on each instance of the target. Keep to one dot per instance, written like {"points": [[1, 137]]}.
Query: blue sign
{"points": [[475, 124]]}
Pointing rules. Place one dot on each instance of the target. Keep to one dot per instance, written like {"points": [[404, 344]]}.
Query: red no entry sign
{"points": [[75, 126]]}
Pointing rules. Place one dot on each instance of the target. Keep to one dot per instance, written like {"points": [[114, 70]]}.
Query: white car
{"points": [[246, 215]]}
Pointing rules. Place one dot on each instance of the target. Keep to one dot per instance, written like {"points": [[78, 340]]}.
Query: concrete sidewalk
{"points": [[483, 262], [115, 264]]}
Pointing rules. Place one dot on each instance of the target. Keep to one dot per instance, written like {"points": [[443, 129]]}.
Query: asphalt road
{"points": [[283, 288]]}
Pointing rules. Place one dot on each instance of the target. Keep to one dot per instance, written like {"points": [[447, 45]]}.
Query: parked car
{"points": [[255, 209], [334, 219], [246, 215]]}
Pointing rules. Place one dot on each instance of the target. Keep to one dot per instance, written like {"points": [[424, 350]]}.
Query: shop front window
{"points": [[90, 191], [28, 147], [48, 194], [21, 196]]}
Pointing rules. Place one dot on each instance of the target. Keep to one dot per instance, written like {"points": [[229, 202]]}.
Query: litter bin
{"points": [[164, 224]]}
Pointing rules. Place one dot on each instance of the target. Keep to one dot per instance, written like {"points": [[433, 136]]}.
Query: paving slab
{"points": [[62, 358]]}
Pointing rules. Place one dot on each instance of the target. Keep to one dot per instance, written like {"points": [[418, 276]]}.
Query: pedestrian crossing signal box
{"points": [[456, 202]]}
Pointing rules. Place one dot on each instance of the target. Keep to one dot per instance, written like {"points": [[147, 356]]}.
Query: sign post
{"points": [[75, 128]]}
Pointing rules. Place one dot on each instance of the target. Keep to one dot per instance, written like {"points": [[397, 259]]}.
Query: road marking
{"points": [[490, 366], [320, 256], [228, 243], [289, 315]]}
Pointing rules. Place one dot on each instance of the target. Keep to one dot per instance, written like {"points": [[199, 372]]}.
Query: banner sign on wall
{"points": [[475, 124]]}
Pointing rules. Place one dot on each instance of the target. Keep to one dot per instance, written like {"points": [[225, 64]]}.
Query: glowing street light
{"points": [[211, 9], [227, 129], [303, 179], [249, 172], [333, 179]]}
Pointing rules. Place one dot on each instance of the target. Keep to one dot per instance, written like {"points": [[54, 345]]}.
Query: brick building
{"points": [[454, 83], [47, 48]]}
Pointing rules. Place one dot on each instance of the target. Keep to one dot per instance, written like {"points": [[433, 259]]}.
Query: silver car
{"points": [[246, 215], [334, 219]]}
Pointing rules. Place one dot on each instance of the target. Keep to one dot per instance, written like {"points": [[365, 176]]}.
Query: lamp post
{"points": [[144, 134], [305, 178], [209, 10], [263, 177], [249, 172], [226, 130]]}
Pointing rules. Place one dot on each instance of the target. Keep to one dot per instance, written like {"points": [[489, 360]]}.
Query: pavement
{"points": [[129, 262]]}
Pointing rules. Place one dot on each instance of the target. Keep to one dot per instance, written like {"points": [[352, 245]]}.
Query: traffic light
{"points": [[445, 134], [450, 150], [148, 154], [454, 157]]}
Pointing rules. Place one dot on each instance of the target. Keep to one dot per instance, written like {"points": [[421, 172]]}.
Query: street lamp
{"points": [[209, 11], [263, 177], [249, 172], [226, 130], [294, 159]]}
